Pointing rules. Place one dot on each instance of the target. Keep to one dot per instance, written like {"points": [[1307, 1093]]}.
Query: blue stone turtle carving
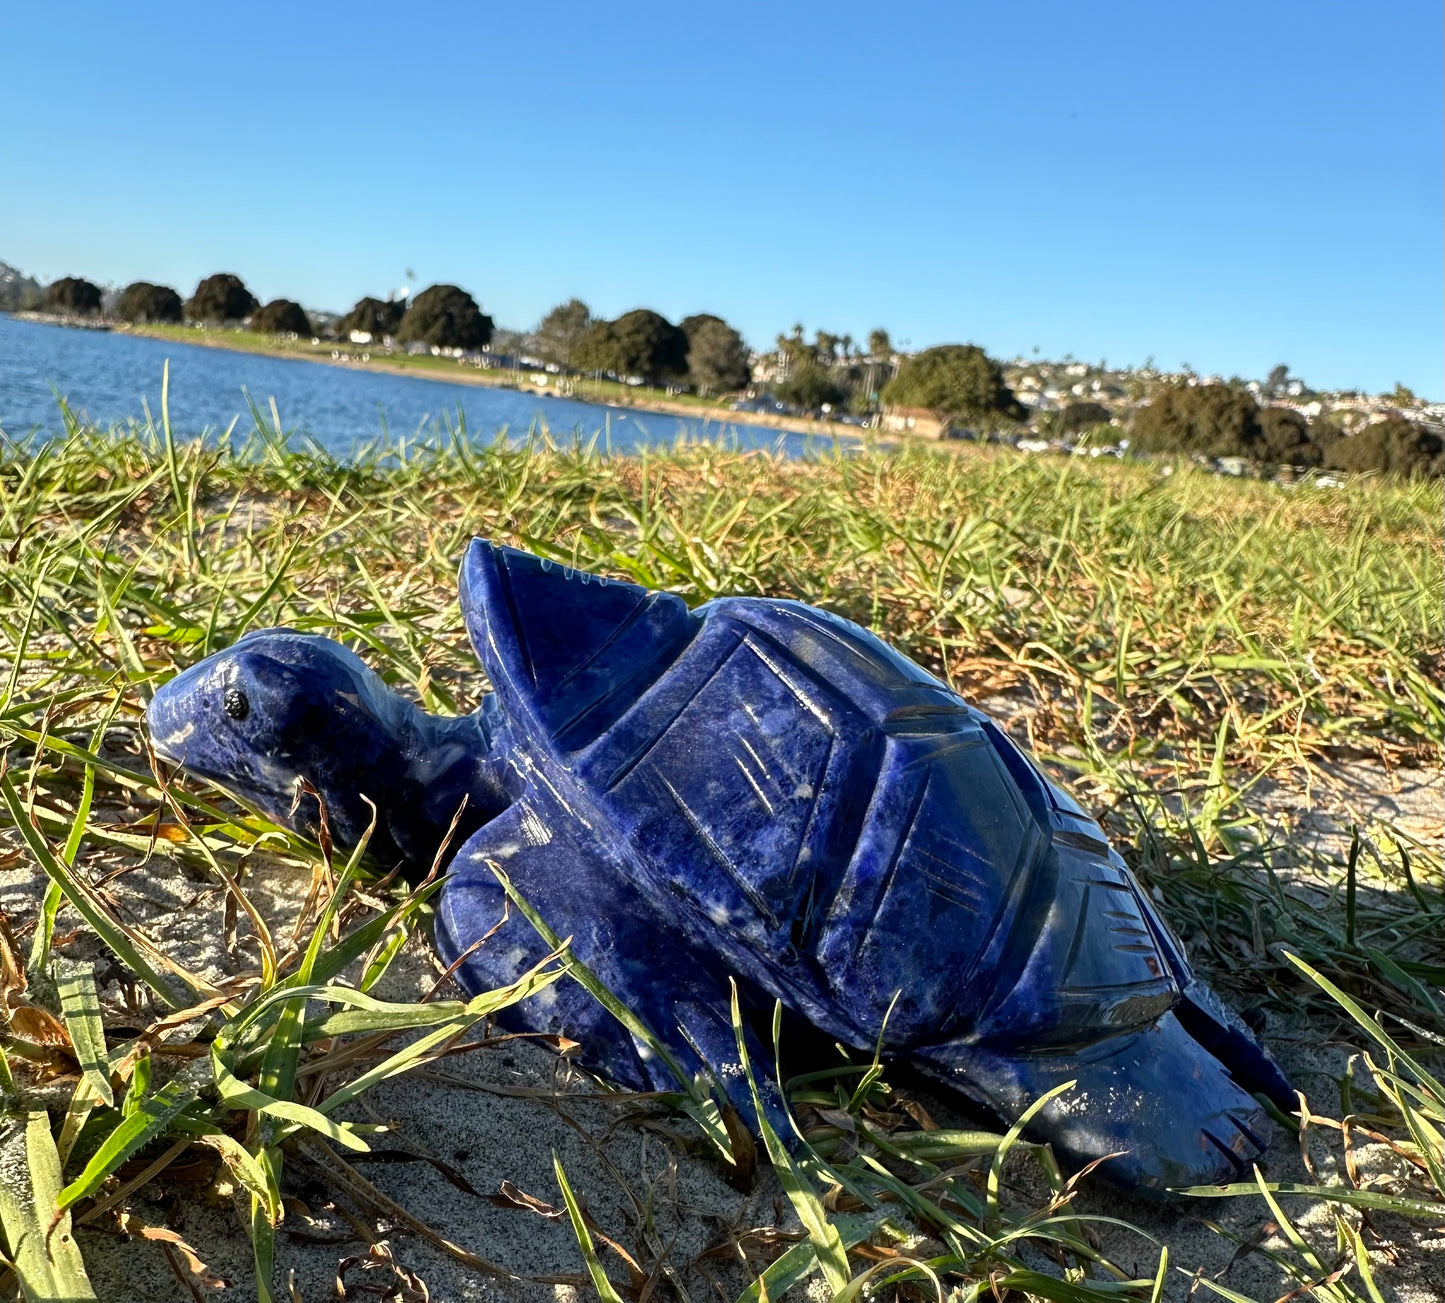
{"points": [[757, 789]]}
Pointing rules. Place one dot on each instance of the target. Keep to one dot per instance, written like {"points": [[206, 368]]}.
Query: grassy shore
{"points": [[1207, 661], [424, 366]]}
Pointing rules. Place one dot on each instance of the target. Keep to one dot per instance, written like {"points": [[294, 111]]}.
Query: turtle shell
{"points": [[821, 813]]}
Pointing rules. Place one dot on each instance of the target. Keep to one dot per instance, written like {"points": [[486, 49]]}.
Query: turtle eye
{"points": [[235, 703]]}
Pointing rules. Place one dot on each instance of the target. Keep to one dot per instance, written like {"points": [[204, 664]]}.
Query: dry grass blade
{"points": [[347, 1179]]}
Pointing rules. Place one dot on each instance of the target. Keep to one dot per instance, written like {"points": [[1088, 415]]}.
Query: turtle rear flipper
{"points": [[1223, 1033], [1155, 1099]]}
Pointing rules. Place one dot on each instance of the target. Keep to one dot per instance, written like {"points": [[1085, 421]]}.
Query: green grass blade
{"points": [[282, 1114], [995, 1168], [696, 1102], [800, 1260], [1370, 1025], [606, 1291], [248, 1171], [827, 1244], [536, 979], [38, 1235], [89, 906], [80, 1007], [150, 1119], [1415, 1209]]}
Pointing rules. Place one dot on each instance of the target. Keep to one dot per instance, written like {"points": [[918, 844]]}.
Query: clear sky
{"points": [[1228, 185]]}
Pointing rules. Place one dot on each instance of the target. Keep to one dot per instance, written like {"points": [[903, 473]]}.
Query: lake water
{"points": [[108, 379]]}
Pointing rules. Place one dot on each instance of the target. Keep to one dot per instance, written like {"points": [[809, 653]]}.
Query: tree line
{"points": [[959, 384], [1220, 421]]}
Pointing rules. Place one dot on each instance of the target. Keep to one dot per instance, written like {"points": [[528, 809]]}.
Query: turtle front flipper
{"points": [[568, 652], [1155, 1099], [576, 884]]}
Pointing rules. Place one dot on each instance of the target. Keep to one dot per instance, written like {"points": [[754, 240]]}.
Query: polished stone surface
{"points": [[760, 790]]}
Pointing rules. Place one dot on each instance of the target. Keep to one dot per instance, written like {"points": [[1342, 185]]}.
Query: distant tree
{"points": [[1285, 439], [281, 317], [559, 332], [222, 297], [1082, 416], [447, 317], [18, 292], [879, 345], [1403, 396], [596, 350], [957, 383], [809, 385], [639, 343], [73, 294], [1213, 420], [1393, 445], [511, 343], [376, 317], [717, 357], [1276, 381], [143, 302], [688, 325]]}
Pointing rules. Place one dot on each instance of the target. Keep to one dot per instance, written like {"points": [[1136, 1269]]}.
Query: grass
{"points": [[1183, 647]]}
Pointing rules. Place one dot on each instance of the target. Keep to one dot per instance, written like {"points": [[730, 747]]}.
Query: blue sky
{"points": [[1232, 185]]}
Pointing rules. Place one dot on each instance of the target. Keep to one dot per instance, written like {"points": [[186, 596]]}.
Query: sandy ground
{"points": [[498, 1115]]}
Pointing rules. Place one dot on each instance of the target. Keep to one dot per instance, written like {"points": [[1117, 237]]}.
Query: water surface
{"points": [[109, 379]]}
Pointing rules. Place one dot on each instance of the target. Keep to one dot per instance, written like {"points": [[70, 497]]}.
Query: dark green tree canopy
{"points": [[1217, 421], [809, 384], [18, 292], [1284, 439], [1394, 446], [281, 317], [222, 297], [447, 317], [958, 383], [688, 325], [879, 343], [561, 330], [142, 302], [377, 317], [595, 350], [1212, 420], [73, 294], [1082, 416], [639, 343], [717, 356]]}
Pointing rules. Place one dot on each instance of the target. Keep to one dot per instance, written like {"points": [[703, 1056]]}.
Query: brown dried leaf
{"points": [[39, 1026], [12, 970], [919, 1114], [165, 832], [509, 1196], [133, 1225]]}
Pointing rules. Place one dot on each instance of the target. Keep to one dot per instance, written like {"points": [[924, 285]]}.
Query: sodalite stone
{"points": [[762, 790]]}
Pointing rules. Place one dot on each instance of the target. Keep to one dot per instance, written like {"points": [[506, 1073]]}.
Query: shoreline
{"points": [[702, 412]]}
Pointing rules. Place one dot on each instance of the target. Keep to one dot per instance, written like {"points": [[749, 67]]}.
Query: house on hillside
{"points": [[917, 421]]}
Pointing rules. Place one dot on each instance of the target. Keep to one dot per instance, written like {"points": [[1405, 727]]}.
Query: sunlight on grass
{"points": [[1174, 645]]}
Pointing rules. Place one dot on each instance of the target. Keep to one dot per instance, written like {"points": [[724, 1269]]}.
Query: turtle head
{"points": [[281, 706]]}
